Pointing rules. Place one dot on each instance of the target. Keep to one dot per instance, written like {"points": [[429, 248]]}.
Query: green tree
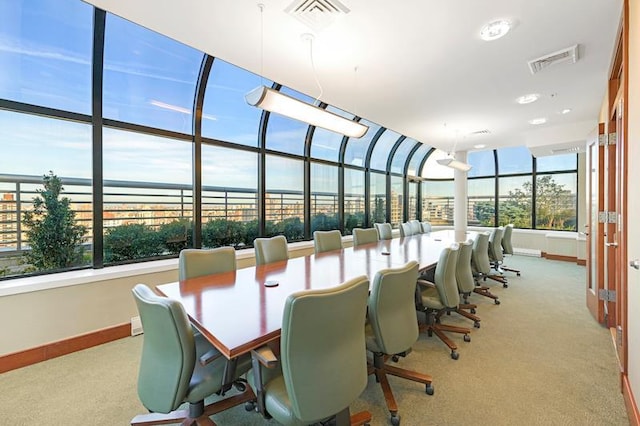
{"points": [[176, 235], [379, 213], [322, 222], [223, 232], [132, 241], [484, 212], [55, 239]]}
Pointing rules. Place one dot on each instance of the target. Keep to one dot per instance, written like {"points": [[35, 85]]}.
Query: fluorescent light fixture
{"points": [[566, 111], [494, 30], [480, 146], [274, 101], [527, 99], [537, 121], [454, 164]]}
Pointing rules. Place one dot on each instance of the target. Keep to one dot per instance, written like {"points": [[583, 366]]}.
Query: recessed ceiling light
{"points": [[479, 146], [566, 111], [494, 30], [537, 121], [527, 99]]}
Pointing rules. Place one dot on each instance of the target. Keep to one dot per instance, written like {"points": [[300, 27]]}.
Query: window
{"points": [[382, 148], [482, 164], [413, 200], [556, 199], [284, 203], [400, 157], [433, 170], [285, 134], [481, 205], [514, 160], [437, 202], [149, 79], [324, 197], [515, 201], [357, 147], [326, 144], [397, 201], [556, 163], [353, 199], [378, 198], [416, 160]]}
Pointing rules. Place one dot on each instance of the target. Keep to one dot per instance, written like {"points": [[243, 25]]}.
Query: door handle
{"points": [[614, 245], [635, 264]]}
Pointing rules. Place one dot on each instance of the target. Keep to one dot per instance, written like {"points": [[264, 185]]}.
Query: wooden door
{"points": [[594, 230]]}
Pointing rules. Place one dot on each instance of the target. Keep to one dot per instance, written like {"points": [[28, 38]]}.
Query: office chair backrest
{"points": [[327, 241], [416, 228], [426, 227], [445, 277], [392, 312], [364, 236], [268, 250], [495, 245], [385, 232], [480, 254], [323, 349], [194, 263], [507, 247], [406, 229], [168, 351], [464, 274]]}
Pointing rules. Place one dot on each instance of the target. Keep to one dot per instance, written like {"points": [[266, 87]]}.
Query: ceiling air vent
{"points": [[566, 150], [480, 132], [570, 54], [317, 14]]}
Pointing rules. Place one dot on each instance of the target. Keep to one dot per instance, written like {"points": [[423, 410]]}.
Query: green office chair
{"points": [[322, 357], [495, 251], [406, 229], [194, 263], [426, 227], [466, 283], [327, 241], [507, 247], [481, 268], [385, 232], [416, 227], [169, 372], [441, 297], [392, 328], [364, 236], [270, 250]]}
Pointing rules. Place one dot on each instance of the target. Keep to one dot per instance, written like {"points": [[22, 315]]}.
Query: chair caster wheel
{"points": [[467, 338], [429, 389], [476, 324], [395, 358], [250, 406], [455, 355], [473, 311], [240, 386], [497, 302], [395, 420], [518, 273], [505, 285]]}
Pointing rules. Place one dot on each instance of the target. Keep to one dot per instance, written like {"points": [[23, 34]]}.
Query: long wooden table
{"points": [[237, 312]]}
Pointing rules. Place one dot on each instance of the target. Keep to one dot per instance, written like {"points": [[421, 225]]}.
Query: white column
{"points": [[460, 199]]}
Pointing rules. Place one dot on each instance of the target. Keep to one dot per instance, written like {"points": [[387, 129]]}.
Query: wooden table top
{"points": [[237, 312]]}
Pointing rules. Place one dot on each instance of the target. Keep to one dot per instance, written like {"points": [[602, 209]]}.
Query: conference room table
{"points": [[239, 311]]}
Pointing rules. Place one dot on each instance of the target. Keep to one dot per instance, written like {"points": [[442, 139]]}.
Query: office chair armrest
{"points": [[424, 283], [265, 356], [209, 357]]}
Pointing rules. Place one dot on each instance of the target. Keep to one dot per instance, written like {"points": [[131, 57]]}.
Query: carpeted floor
{"points": [[539, 358]]}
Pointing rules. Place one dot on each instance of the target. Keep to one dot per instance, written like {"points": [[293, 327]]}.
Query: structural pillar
{"points": [[460, 199]]}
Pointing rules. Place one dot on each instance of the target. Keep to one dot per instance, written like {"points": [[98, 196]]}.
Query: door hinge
{"points": [[612, 138], [607, 217], [607, 295], [619, 335]]}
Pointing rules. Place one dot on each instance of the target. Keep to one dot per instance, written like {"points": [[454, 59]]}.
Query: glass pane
{"points": [[413, 201], [353, 199], [324, 197], [481, 209], [357, 148], [556, 197], [381, 150], [400, 157], [514, 202], [149, 79], [226, 116], [416, 160], [514, 160], [433, 170], [45, 53], [285, 134], [284, 198], [378, 198], [325, 144], [229, 197], [556, 163], [33, 147], [482, 163], [147, 196], [397, 201], [437, 202]]}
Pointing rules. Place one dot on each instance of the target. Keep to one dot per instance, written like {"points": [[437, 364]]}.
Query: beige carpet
{"points": [[539, 358]]}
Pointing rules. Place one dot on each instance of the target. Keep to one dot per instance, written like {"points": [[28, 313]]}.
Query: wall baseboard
{"points": [[582, 262], [630, 402], [27, 357], [563, 258]]}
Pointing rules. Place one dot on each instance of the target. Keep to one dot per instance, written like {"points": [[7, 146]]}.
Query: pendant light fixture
{"points": [[451, 162]]}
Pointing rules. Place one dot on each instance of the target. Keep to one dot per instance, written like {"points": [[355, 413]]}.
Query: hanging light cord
{"points": [[313, 67], [261, 7]]}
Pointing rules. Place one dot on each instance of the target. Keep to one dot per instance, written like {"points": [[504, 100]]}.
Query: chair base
{"points": [[469, 315], [184, 417], [515, 271], [381, 369], [344, 418], [484, 291], [439, 329]]}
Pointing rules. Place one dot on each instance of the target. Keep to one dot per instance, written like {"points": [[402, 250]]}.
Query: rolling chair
{"points": [[406, 229], [364, 236], [268, 250], [193, 263], [169, 372], [426, 227], [481, 268], [322, 357], [392, 329], [385, 232], [466, 283], [436, 299], [327, 241], [495, 250], [507, 247], [416, 227]]}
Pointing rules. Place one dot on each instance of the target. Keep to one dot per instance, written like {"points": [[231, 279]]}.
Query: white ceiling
{"points": [[419, 66]]}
